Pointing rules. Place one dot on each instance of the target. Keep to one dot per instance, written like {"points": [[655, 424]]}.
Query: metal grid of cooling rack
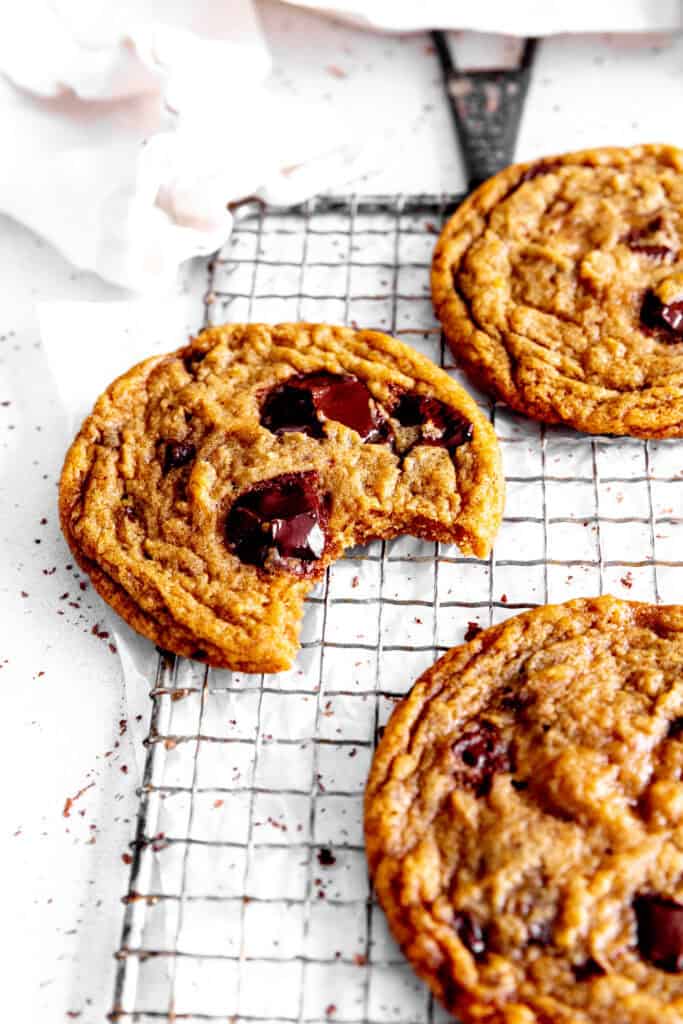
{"points": [[248, 896]]}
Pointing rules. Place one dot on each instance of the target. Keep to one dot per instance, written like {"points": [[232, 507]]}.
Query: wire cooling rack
{"points": [[248, 897]]}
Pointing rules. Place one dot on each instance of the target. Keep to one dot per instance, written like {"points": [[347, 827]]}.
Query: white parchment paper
{"points": [[89, 344]]}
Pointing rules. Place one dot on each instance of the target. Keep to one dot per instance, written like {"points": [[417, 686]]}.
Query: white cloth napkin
{"points": [[521, 17], [129, 126]]}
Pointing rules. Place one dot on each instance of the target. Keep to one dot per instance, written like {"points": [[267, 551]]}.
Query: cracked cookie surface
{"points": [[559, 285], [524, 819], [210, 488]]}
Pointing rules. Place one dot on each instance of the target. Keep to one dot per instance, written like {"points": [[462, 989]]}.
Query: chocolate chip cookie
{"points": [[559, 285], [210, 488], [524, 819]]}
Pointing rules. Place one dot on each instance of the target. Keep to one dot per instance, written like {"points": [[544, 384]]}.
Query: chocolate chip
{"points": [[540, 167], [325, 857], [644, 231], [660, 931], [436, 423], [588, 969], [666, 319], [658, 253], [470, 933], [482, 752], [540, 933], [278, 520], [192, 358], [519, 784], [304, 402], [473, 629], [177, 454], [675, 728], [511, 701]]}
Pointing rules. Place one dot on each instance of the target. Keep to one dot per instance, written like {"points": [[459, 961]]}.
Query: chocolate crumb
{"points": [[473, 629]]}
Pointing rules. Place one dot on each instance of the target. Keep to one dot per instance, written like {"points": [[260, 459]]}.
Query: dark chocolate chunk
{"points": [[277, 520], [588, 969], [192, 358], [660, 931], [325, 857], [305, 401], [658, 253], [470, 933], [540, 933], [437, 424], [482, 752], [290, 409], [644, 232], [514, 701], [667, 320], [177, 454], [473, 629], [675, 728], [643, 240]]}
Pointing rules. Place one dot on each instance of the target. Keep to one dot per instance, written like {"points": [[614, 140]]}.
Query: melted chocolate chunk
{"points": [[588, 969], [482, 752], [644, 231], [643, 240], [279, 519], [667, 320], [305, 401], [658, 253], [192, 359], [177, 454], [470, 933], [675, 728], [436, 424], [660, 931], [514, 701]]}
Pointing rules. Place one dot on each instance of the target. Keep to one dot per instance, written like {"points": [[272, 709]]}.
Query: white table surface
{"points": [[64, 716]]}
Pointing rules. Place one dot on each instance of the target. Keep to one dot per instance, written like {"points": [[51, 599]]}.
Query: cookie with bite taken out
{"points": [[210, 488]]}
